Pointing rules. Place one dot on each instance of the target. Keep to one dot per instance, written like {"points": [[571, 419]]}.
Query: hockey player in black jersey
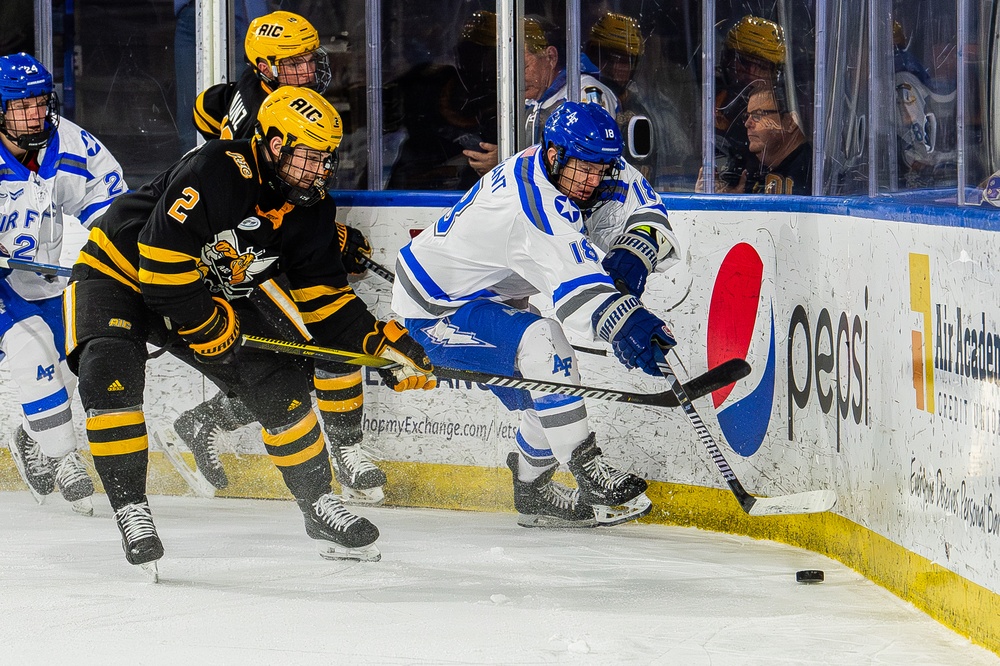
{"points": [[283, 49], [173, 264]]}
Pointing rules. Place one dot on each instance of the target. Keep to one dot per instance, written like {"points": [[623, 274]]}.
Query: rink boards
{"points": [[874, 336]]}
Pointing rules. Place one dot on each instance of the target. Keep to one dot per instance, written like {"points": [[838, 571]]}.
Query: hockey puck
{"points": [[809, 576]]}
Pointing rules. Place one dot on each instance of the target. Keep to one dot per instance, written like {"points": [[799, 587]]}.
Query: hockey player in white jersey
{"points": [[530, 226], [49, 168]]}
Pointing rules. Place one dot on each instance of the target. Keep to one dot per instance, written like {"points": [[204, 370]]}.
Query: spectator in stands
{"points": [[779, 145], [615, 46], [753, 50], [545, 85]]}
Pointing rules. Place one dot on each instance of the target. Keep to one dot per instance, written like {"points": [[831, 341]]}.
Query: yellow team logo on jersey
{"points": [[241, 162], [240, 261], [118, 322], [230, 264]]}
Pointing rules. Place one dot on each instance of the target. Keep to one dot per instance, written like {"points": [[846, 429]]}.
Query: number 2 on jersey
{"points": [[188, 199]]}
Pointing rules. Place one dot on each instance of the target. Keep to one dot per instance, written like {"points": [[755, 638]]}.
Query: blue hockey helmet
{"points": [[587, 132], [23, 77]]}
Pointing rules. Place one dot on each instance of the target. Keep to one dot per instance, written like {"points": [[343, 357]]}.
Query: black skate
{"points": [[546, 503], [360, 479], [617, 496], [140, 541], [75, 483], [206, 455], [199, 429], [342, 534], [36, 469]]}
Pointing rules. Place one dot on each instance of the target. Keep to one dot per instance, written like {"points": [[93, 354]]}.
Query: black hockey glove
{"points": [[217, 339], [353, 246], [390, 341]]}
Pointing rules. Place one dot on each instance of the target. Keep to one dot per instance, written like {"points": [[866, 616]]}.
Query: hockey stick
{"points": [[376, 268], [387, 275], [719, 376], [43, 269], [813, 501]]}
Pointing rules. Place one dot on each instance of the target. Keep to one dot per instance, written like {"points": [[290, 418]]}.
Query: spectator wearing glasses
{"points": [[778, 143]]}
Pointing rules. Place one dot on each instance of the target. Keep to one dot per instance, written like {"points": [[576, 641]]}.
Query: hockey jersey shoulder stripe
{"points": [[203, 119], [88, 213], [73, 164], [532, 203]]}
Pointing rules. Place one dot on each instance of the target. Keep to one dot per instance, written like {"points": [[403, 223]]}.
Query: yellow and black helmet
{"points": [[302, 118], [759, 38], [481, 29], [281, 35], [617, 32], [534, 35]]}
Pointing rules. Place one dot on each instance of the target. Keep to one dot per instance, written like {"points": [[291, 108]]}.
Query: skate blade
{"points": [[551, 522], [150, 570], [84, 506], [167, 442], [332, 551], [607, 516], [368, 497]]}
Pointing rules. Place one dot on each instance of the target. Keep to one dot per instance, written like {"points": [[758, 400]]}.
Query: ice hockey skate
{"points": [[204, 446], [546, 503], [360, 479], [140, 541], [341, 534], [35, 468], [169, 442], [617, 496], [75, 483]]}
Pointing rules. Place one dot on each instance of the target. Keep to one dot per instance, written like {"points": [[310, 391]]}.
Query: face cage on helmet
{"points": [[36, 140], [322, 76], [607, 190], [304, 196]]}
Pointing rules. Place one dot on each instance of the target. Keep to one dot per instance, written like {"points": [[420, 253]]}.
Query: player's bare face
{"points": [[298, 70], [306, 167], [26, 116], [579, 179]]}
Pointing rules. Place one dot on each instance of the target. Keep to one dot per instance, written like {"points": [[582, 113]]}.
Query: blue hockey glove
{"points": [[633, 331], [630, 259]]}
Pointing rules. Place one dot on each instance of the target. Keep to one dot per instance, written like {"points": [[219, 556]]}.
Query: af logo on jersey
{"points": [[229, 267]]}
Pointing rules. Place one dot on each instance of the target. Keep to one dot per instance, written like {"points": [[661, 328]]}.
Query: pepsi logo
{"points": [[741, 325]]}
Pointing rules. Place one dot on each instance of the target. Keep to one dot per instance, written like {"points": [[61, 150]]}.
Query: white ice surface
{"points": [[241, 584]]}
